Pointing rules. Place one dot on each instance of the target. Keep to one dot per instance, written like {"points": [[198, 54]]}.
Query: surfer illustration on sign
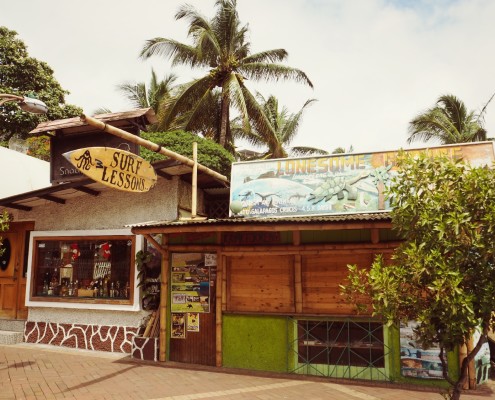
{"points": [[85, 161]]}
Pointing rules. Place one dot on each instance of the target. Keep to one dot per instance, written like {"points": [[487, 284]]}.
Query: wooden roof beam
{"points": [[266, 227], [18, 207], [163, 174], [52, 198], [87, 190]]}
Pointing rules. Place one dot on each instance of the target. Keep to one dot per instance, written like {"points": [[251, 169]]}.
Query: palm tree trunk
{"points": [[224, 121]]}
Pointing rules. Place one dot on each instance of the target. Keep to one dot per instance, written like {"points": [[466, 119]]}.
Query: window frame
{"points": [[34, 300]]}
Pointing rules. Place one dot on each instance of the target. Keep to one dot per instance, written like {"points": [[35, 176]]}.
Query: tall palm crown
{"points": [[219, 45], [280, 130], [448, 122], [142, 96]]}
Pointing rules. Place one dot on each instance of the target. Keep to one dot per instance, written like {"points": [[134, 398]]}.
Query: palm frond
{"points": [[273, 72], [268, 56], [301, 151]]}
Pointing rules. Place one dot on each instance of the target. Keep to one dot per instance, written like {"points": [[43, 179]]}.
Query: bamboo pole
{"points": [[165, 272], [218, 310], [194, 200], [150, 145]]}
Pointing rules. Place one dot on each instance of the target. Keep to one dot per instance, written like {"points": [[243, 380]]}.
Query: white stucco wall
{"points": [[22, 173], [105, 214], [111, 209], [89, 317]]}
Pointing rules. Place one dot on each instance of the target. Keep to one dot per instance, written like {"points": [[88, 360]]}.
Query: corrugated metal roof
{"points": [[356, 217], [68, 123]]}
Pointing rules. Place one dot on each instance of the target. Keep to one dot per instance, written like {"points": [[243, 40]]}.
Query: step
{"points": [[16, 325], [11, 337]]}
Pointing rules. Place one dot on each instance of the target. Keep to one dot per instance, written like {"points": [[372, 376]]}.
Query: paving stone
{"points": [[29, 371]]}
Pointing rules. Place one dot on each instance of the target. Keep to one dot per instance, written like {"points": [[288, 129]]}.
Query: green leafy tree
{"points": [[279, 132], [220, 46], [210, 154], [23, 75], [448, 122], [443, 273], [4, 226], [39, 147]]}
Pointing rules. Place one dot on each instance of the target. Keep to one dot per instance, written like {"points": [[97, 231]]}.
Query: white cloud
{"points": [[375, 64]]}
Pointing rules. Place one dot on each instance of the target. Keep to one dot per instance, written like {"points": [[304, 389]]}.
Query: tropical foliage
{"points": [[279, 131], [152, 95], [447, 122], [23, 75], [219, 45], [210, 154], [39, 147], [4, 225], [443, 273]]}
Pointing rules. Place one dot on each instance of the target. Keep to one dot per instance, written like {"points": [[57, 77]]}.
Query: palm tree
{"points": [[342, 150], [220, 45], [140, 95], [278, 133], [153, 95], [448, 122]]}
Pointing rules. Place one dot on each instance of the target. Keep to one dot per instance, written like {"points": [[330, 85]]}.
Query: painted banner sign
{"points": [[331, 184], [115, 168]]}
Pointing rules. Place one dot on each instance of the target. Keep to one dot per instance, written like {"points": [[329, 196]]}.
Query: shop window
{"points": [[83, 269], [349, 343]]}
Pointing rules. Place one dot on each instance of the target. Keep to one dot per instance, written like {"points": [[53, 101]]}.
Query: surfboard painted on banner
{"points": [[116, 168]]}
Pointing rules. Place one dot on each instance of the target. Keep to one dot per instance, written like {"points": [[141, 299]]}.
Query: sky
{"points": [[374, 64]]}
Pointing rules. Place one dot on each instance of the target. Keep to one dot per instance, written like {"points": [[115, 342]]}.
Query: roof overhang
{"points": [[62, 192], [378, 220], [135, 118]]}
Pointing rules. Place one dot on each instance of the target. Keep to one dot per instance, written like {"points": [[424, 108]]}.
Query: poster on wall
{"points": [[331, 184], [193, 322], [190, 280], [178, 330], [415, 361]]}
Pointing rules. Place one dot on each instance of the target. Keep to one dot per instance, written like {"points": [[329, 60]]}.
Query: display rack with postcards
{"points": [[191, 276]]}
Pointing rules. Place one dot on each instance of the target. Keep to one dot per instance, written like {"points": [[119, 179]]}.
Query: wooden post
{"points": [[224, 283], [298, 292], [165, 272], [218, 310], [375, 235], [194, 194]]}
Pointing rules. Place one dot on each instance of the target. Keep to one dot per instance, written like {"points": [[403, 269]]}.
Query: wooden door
{"points": [[197, 342], [12, 276]]}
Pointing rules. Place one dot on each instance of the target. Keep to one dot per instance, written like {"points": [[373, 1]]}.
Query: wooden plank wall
{"points": [[321, 277], [295, 283], [260, 283]]}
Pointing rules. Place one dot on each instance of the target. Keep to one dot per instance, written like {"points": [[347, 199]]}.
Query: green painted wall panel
{"points": [[255, 342]]}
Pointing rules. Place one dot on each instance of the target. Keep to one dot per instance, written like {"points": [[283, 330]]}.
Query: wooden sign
{"points": [[115, 168]]}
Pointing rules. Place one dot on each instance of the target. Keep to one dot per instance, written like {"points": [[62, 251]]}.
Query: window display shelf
{"points": [[83, 269]]}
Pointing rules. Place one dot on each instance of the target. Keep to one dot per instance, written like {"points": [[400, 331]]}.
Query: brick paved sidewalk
{"points": [[45, 372]]}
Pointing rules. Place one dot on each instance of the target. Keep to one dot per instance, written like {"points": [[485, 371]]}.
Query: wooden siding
{"points": [[321, 277], [260, 284]]}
